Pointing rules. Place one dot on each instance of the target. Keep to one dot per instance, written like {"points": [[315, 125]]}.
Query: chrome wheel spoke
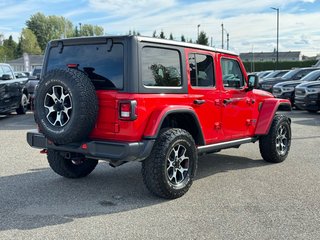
{"points": [[282, 140], [177, 164], [58, 103]]}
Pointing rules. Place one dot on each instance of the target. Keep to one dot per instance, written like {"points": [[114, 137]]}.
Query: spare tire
{"points": [[66, 106]]}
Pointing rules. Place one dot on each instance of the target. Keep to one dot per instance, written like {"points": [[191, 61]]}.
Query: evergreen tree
{"points": [[203, 39], [162, 35], [183, 38], [154, 34], [171, 36]]}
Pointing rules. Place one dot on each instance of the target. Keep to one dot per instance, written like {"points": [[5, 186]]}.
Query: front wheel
{"points": [[169, 170], [275, 146], [23, 107], [70, 168]]}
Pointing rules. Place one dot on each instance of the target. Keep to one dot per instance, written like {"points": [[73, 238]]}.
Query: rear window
{"points": [[161, 67], [103, 66]]}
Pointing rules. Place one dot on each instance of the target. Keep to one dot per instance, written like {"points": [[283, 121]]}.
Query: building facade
{"points": [[26, 62], [271, 56]]}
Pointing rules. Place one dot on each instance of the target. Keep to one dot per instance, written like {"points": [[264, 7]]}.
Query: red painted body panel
{"points": [[218, 121], [267, 112]]}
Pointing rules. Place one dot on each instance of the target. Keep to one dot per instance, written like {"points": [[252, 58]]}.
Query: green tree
{"points": [[162, 35], [38, 24], [29, 43], [183, 39], [91, 30], [154, 33], [8, 49], [203, 39], [171, 36], [47, 28], [134, 33]]}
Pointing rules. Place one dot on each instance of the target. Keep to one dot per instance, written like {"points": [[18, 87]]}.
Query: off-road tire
{"points": [[69, 168], [23, 107], [156, 172], [73, 115], [275, 146]]}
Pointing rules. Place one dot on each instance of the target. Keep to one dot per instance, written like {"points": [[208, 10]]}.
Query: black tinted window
{"points": [[7, 71], [231, 73], [161, 67], [201, 70], [105, 68]]}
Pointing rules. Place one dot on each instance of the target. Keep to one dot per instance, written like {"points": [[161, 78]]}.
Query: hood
{"points": [[269, 80], [308, 84], [287, 83], [262, 93]]}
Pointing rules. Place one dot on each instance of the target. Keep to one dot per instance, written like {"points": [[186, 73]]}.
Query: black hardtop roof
{"points": [[103, 39]]}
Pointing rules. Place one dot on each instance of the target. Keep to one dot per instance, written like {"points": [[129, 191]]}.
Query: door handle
{"points": [[199, 101], [227, 101]]}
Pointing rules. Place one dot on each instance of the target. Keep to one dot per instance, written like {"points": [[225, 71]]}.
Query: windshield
{"points": [[104, 66], [290, 74], [313, 76]]}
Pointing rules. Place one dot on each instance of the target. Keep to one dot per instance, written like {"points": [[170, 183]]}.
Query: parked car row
{"points": [[306, 80], [16, 90]]}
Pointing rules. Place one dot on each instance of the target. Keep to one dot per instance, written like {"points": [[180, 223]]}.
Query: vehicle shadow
{"points": [[302, 117], [17, 122], [41, 198]]}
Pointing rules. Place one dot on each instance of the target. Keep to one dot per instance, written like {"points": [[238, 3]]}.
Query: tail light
{"points": [[127, 110]]}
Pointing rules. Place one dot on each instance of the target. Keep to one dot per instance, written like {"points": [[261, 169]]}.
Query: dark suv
{"points": [[161, 102], [307, 96], [13, 92], [293, 75]]}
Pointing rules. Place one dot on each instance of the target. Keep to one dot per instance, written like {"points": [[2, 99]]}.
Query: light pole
{"points": [[222, 35], [198, 32], [80, 29], [222, 40], [277, 9]]}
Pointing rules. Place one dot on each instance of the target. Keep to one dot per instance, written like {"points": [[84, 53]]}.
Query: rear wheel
{"points": [[70, 168], [275, 146], [169, 170]]}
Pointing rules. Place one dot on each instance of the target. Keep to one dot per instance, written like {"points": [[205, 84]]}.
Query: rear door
{"points": [[203, 92], [237, 103]]}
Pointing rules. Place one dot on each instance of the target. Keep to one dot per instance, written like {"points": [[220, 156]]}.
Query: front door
{"points": [[237, 103]]}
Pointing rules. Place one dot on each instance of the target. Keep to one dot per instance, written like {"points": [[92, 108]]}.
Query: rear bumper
{"points": [[115, 152]]}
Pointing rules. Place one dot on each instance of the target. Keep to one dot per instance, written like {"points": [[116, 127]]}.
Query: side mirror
{"points": [[253, 81], [6, 77]]}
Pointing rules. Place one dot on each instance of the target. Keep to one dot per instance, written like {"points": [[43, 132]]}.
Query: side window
{"points": [[7, 70], [231, 73], [161, 67], [1, 72], [201, 70]]}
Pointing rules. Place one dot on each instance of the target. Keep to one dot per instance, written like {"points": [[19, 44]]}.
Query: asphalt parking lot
{"points": [[236, 195]]}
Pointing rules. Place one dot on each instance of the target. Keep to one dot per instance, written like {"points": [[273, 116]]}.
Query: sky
{"points": [[251, 24]]}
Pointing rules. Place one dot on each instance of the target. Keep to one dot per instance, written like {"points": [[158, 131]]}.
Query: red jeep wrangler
{"points": [[161, 102]]}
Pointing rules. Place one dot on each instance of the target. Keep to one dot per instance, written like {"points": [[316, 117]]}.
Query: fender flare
{"points": [[158, 116], [267, 112]]}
